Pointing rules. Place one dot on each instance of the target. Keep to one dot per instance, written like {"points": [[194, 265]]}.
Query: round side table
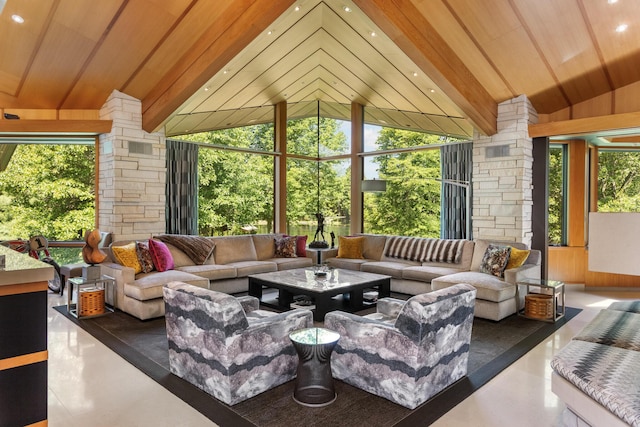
{"points": [[314, 383]]}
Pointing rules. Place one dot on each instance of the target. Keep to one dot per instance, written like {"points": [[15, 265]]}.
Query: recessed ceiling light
{"points": [[206, 89], [622, 27], [372, 33], [612, 1], [17, 18], [347, 9], [269, 32], [415, 74], [432, 90], [297, 8], [225, 71]]}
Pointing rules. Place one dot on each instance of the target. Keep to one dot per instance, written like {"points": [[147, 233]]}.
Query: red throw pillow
{"points": [[162, 258], [301, 246]]}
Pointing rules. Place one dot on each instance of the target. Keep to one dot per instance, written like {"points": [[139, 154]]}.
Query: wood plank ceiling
{"points": [[435, 65]]}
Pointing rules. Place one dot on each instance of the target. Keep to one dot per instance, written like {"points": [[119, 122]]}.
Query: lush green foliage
{"points": [[411, 204], [556, 196], [48, 190], [619, 181]]}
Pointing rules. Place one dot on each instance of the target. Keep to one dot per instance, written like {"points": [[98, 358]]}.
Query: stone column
{"points": [[132, 173], [502, 176]]}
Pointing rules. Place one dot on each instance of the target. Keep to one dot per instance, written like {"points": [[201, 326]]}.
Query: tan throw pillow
{"points": [[286, 247], [517, 257], [350, 247], [127, 255]]}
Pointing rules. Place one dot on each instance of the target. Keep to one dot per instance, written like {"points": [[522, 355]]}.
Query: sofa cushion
{"points": [[245, 268], [211, 272], [373, 246], [609, 375], [347, 263], [290, 263], [350, 247], [230, 249], [614, 328], [495, 260], [127, 255], [149, 286], [490, 288], [393, 269], [424, 273], [264, 245], [180, 259]]}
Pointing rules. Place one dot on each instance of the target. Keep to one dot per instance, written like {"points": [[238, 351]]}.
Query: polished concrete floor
{"points": [[89, 385]]}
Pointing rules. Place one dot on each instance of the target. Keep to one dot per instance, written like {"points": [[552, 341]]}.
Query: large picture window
{"points": [[618, 181], [557, 194]]}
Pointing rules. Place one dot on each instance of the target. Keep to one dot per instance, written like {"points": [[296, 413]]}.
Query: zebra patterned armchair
{"points": [[226, 346], [407, 351]]}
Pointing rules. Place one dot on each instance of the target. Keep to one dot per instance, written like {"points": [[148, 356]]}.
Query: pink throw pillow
{"points": [[162, 258]]}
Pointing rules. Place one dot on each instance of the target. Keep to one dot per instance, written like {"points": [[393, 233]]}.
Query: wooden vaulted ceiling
{"points": [[436, 65]]}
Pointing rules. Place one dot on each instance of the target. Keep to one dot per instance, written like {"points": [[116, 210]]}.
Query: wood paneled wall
{"points": [[571, 263]]}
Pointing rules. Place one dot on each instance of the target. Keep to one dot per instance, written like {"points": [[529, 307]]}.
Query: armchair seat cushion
{"points": [[489, 287]]}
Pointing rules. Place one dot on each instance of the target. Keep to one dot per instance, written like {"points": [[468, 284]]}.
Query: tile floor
{"points": [[89, 385]]}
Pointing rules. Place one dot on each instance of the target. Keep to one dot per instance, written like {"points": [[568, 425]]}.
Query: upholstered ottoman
{"points": [[495, 300]]}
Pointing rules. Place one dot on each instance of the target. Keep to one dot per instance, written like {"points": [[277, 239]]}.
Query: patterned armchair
{"points": [[227, 346], [409, 350]]}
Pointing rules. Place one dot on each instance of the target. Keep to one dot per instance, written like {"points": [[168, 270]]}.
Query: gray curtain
{"points": [[456, 162], [182, 188]]}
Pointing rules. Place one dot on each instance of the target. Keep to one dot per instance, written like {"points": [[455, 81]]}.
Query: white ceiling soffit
{"points": [[321, 53]]}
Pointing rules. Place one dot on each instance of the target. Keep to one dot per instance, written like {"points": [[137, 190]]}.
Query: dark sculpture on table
{"points": [[319, 244], [333, 239]]}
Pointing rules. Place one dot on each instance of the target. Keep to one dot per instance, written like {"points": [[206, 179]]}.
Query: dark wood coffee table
{"points": [[322, 289]]}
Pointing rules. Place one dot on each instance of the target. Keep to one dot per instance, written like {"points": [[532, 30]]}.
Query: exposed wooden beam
{"points": [[418, 39], [587, 125], [236, 27], [87, 127]]}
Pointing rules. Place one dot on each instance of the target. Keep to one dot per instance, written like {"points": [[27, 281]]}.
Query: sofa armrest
{"points": [[121, 275], [526, 271]]}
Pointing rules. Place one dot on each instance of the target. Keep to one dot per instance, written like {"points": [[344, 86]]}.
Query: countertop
{"points": [[21, 268]]}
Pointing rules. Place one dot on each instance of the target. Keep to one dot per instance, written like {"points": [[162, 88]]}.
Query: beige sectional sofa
{"points": [[495, 296], [234, 258]]}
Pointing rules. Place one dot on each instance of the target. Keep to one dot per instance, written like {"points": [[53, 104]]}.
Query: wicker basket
{"points": [[538, 306], [91, 302]]}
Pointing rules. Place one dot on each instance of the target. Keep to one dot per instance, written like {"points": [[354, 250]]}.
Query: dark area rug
{"points": [[494, 346]]}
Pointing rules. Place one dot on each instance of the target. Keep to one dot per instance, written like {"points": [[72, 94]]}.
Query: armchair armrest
{"points": [[121, 275], [249, 303], [390, 306]]}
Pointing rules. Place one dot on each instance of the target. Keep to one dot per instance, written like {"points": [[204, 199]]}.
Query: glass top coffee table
{"points": [[322, 289]]}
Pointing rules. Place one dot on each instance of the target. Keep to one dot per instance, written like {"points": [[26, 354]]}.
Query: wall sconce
{"points": [[374, 185]]}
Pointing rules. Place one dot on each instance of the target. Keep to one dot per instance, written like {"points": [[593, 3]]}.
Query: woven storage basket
{"points": [[91, 302], [538, 306]]}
